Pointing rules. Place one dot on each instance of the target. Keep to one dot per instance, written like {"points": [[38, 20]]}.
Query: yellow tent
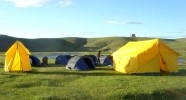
{"points": [[17, 58], [145, 57]]}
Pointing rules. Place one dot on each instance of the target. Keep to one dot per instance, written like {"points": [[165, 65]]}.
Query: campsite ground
{"points": [[55, 82]]}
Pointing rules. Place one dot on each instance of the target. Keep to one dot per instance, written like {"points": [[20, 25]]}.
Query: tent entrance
{"points": [[163, 67], [89, 63]]}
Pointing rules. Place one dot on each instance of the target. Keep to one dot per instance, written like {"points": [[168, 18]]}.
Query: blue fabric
{"points": [[107, 61], [81, 65], [62, 59], [35, 61]]}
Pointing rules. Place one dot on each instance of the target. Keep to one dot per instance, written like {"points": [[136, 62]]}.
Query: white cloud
{"points": [[28, 3], [122, 22], [65, 2]]}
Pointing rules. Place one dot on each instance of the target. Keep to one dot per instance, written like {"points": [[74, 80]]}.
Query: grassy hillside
{"points": [[81, 44], [44, 44], [109, 43]]}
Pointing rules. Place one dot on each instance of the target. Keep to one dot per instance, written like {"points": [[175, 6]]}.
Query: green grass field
{"points": [[54, 82]]}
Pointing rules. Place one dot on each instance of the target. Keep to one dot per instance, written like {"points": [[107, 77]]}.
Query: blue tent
{"points": [[62, 59], [93, 58], [106, 60], [35, 61], [80, 63]]}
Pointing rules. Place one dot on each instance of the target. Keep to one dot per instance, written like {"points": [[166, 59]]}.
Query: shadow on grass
{"points": [[175, 94], [82, 73], [104, 68], [50, 65], [97, 72], [182, 72], [101, 72]]}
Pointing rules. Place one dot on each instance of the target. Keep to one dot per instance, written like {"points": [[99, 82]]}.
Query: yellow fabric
{"points": [[17, 58], [145, 57]]}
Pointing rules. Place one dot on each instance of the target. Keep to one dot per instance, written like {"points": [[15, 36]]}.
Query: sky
{"points": [[93, 18]]}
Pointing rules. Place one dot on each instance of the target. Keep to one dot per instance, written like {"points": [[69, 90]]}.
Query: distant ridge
{"points": [[75, 44]]}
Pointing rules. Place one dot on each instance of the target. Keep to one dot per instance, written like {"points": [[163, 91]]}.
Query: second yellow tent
{"points": [[145, 57]]}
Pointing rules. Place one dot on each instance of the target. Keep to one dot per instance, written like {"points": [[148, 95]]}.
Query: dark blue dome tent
{"points": [[35, 61], [93, 58], [106, 60], [80, 63], [62, 59]]}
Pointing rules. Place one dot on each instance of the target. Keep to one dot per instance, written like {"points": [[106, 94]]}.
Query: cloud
{"points": [[123, 22], [65, 2], [37, 3], [28, 3]]}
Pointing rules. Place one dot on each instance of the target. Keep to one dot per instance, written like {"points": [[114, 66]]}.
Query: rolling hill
{"points": [[80, 44]]}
